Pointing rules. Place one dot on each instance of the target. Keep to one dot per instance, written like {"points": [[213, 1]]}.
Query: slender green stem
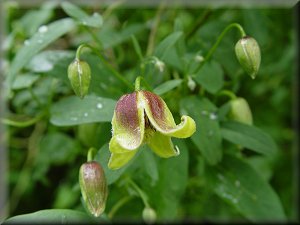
{"points": [[91, 154], [228, 93], [23, 123], [220, 37], [137, 84], [118, 205], [230, 26], [140, 192], [114, 72], [137, 47]]}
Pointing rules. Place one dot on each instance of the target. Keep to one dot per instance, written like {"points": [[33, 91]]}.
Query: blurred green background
{"points": [[41, 178]]}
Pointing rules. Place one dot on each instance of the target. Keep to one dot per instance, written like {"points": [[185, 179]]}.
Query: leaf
{"points": [[166, 44], [249, 137], [207, 137], [173, 179], [242, 187], [73, 111], [102, 157], [47, 60], [24, 81], [38, 42], [53, 216], [167, 86], [150, 165], [73, 11], [210, 77], [111, 38]]}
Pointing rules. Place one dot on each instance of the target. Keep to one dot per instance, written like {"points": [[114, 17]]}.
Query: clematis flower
{"points": [[143, 117]]}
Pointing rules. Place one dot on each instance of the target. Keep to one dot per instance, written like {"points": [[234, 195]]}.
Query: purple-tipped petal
{"points": [[162, 119], [127, 124]]}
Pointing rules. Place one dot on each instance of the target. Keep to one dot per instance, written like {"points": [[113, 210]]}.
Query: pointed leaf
{"points": [[38, 42], [210, 77], [167, 86], [207, 137], [73, 110], [249, 137], [73, 11], [242, 187], [51, 216]]}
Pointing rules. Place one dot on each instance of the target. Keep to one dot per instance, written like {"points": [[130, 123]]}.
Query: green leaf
{"points": [[166, 44], [207, 137], [73, 110], [47, 60], [249, 137], [167, 86], [210, 77], [242, 187], [111, 38], [102, 157], [173, 179], [150, 165], [53, 216], [38, 42], [73, 11], [24, 81]]}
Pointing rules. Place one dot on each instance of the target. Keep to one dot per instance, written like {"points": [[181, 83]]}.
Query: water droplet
{"points": [[84, 22], [40, 41], [237, 183], [26, 42], [43, 29], [213, 116], [204, 112], [74, 118], [85, 114], [177, 150], [99, 106]]}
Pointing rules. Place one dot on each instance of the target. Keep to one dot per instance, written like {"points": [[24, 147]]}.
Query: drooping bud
{"points": [[93, 187], [248, 54], [149, 215], [79, 74], [240, 111]]}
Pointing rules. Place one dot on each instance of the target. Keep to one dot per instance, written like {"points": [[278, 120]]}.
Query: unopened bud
{"points": [[93, 187], [240, 111], [248, 54], [79, 74], [149, 215]]}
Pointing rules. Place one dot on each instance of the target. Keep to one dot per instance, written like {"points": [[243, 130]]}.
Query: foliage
{"points": [[226, 171]]}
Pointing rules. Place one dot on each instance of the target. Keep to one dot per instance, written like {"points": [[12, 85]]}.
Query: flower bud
{"points": [[149, 215], [248, 54], [240, 111], [79, 74], [93, 187]]}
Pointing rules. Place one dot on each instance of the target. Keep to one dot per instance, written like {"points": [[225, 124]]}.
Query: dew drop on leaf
{"points": [[99, 106], [43, 29]]}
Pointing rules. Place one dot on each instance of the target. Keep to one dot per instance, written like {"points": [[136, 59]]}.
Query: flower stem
{"points": [[220, 37], [114, 72], [137, 83], [118, 205], [228, 93], [91, 154], [140, 192]]}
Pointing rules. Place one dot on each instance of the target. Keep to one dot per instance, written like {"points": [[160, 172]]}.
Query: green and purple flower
{"points": [[143, 117]]}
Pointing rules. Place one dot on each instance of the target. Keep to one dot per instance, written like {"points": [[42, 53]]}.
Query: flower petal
{"points": [[116, 160], [127, 124], [162, 119], [162, 145]]}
